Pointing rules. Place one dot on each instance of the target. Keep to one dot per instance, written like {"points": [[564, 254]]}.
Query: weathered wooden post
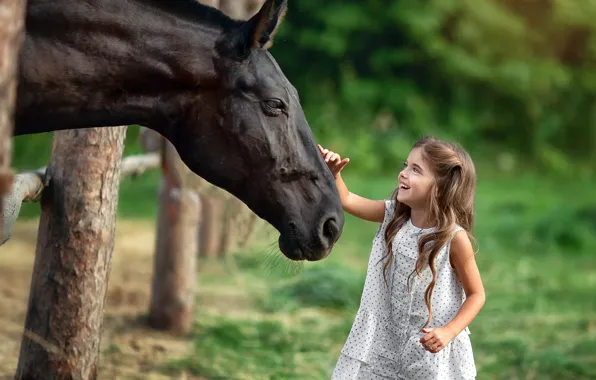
{"points": [[73, 256], [12, 14], [174, 269]]}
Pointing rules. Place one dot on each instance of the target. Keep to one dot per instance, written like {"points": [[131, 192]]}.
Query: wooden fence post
{"points": [[73, 256]]}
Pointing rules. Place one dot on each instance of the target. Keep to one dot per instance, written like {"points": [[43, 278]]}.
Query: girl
{"points": [[422, 286]]}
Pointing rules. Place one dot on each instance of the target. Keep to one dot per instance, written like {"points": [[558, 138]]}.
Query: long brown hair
{"points": [[451, 202]]}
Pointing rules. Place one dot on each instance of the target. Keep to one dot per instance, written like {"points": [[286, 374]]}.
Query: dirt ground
{"points": [[130, 350]]}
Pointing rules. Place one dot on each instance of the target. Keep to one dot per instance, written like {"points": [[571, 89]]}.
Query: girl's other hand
{"points": [[436, 338], [333, 160]]}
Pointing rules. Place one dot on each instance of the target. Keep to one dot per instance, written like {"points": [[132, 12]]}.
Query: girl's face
{"points": [[415, 181]]}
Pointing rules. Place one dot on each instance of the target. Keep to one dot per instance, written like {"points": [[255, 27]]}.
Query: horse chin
{"points": [[293, 251], [319, 256]]}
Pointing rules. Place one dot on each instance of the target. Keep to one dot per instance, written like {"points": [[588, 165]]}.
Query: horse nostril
{"points": [[330, 231]]}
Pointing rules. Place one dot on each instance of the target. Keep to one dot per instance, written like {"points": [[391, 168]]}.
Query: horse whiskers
{"points": [[275, 260]]}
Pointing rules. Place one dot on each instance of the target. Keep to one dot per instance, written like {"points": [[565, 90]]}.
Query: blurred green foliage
{"points": [[517, 76], [514, 81]]}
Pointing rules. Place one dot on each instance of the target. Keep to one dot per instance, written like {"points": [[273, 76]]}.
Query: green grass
{"points": [[536, 258], [266, 318], [280, 320]]}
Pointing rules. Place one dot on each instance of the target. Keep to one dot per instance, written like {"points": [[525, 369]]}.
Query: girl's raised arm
{"points": [[354, 204]]}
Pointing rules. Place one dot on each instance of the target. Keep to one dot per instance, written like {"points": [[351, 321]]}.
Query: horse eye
{"points": [[273, 107], [275, 103]]}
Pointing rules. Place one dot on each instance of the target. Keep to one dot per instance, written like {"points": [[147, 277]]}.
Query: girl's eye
{"points": [[416, 170]]}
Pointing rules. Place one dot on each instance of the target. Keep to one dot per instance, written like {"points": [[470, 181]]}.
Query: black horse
{"points": [[205, 82]]}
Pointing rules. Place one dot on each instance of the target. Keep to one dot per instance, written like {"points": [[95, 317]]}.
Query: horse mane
{"points": [[192, 10]]}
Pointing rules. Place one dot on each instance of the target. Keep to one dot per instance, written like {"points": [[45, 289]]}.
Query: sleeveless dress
{"points": [[384, 340]]}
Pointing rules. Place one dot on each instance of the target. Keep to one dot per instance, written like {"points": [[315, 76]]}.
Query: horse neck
{"points": [[102, 63]]}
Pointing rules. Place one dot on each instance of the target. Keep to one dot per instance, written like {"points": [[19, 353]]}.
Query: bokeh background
{"points": [[513, 81]]}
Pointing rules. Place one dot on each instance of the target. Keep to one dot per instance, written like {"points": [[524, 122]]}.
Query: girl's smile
{"points": [[415, 181]]}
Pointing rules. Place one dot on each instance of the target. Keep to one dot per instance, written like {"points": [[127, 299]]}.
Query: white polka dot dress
{"points": [[384, 340]]}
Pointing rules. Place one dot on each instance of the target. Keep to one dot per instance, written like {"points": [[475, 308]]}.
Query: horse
{"points": [[205, 82]]}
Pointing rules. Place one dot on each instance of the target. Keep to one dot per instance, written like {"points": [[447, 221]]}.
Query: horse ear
{"points": [[258, 31], [275, 20]]}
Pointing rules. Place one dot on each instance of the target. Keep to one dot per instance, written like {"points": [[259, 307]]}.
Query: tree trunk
{"points": [[234, 213], [73, 256], [178, 220], [251, 230], [12, 13], [174, 270], [211, 231], [235, 9]]}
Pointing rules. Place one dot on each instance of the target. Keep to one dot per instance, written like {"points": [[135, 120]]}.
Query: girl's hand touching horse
{"points": [[333, 160], [363, 208]]}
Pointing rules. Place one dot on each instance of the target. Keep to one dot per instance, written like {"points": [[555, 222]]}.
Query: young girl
{"points": [[422, 286]]}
